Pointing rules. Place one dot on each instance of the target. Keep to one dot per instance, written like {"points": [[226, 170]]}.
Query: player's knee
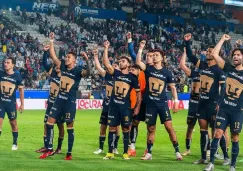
{"points": [[125, 129], [218, 133], [69, 124], [151, 129], [112, 129], [234, 137], [103, 129]]}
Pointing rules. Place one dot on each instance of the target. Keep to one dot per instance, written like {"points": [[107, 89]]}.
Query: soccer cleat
{"points": [[58, 151], [46, 154], [208, 153], [109, 156], [147, 156], [226, 162], [132, 153], [186, 153], [125, 156], [98, 151], [68, 156], [201, 161], [145, 152], [41, 150], [218, 156], [232, 168], [178, 156], [209, 167], [115, 151], [14, 147]]}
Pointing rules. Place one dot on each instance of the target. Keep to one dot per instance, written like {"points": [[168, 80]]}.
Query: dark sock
{"points": [[101, 141], [204, 143], [234, 153], [125, 141], [116, 141], [0, 132], [134, 134], [111, 141], [49, 136], [149, 147], [59, 146], [70, 139], [15, 137], [188, 144], [45, 142], [209, 144], [214, 148], [223, 146], [176, 147]]}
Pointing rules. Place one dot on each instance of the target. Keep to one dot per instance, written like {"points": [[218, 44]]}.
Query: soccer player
{"points": [[211, 79], [55, 75], [10, 81], [157, 79], [65, 103], [142, 82], [120, 105], [230, 110], [104, 114], [194, 98]]}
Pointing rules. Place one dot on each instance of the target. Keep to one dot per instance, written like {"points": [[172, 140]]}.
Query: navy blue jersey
{"points": [[123, 85], [54, 85], [210, 79], [108, 88], [157, 81], [69, 83], [233, 97], [194, 97], [9, 85]]}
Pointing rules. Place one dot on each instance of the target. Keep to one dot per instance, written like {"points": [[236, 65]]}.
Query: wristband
{"points": [[176, 100], [52, 40], [129, 40], [140, 50]]}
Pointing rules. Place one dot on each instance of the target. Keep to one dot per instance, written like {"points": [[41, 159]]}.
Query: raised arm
{"points": [[220, 61], [183, 64], [130, 46], [87, 71], [139, 55], [106, 61], [191, 57], [45, 56], [97, 63], [52, 51]]}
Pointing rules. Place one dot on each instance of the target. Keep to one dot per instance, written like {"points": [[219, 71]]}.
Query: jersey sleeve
{"points": [[116, 72], [131, 51], [19, 81], [135, 83], [170, 78], [227, 67], [221, 76], [193, 74], [45, 64], [63, 66]]}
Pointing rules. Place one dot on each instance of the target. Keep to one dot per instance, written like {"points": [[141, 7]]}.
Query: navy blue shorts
{"points": [[119, 116], [47, 114], [152, 111], [141, 114], [10, 109], [207, 111], [226, 118], [64, 112]]}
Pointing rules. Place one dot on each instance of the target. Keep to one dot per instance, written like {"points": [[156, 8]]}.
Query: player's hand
{"points": [[84, 55], [226, 37], [52, 36], [129, 35], [217, 108], [95, 52], [136, 111], [106, 44], [21, 108], [142, 44], [188, 37], [46, 48], [238, 42], [175, 107]]}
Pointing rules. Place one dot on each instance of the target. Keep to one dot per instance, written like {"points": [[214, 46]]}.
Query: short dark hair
{"points": [[237, 49], [116, 62], [211, 46], [150, 51], [12, 60], [135, 66], [73, 53], [126, 57], [160, 51]]}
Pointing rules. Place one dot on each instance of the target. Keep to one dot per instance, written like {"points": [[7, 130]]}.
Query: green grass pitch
{"points": [[86, 141]]}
